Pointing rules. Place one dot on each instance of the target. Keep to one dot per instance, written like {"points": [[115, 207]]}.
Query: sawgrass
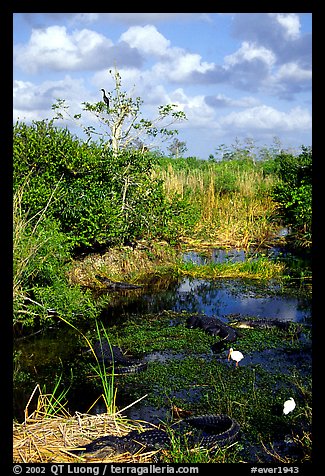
{"points": [[231, 202]]}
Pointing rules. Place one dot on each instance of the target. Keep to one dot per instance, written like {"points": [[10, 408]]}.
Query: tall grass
{"points": [[232, 201], [41, 260], [107, 381], [259, 268], [32, 248]]}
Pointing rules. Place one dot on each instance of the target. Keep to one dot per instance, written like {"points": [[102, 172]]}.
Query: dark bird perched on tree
{"points": [[105, 98]]}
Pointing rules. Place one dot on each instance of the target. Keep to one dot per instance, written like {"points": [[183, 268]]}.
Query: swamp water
{"points": [[192, 377]]}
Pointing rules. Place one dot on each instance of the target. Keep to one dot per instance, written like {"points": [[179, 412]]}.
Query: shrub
{"points": [[294, 193], [102, 198], [40, 260]]}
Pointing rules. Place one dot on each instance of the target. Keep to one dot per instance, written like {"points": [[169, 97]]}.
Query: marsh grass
{"points": [[30, 248], [232, 203], [48, 404], [181, 452], [255, 268], [107, 380], [252, 394], [41, 256], [161, 264]]}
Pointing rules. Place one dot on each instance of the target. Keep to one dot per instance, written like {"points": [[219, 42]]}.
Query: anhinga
{"points": [[105, 98]]}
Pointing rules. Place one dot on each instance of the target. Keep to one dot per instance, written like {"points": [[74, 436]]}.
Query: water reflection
{"points": [[218, 298], [229, 297]]}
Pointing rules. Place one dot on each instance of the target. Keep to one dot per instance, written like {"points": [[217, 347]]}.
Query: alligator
{"points": [[206, 431], [294, 330], [261, 323], [111, 354], [212, 326], [116, 285]]}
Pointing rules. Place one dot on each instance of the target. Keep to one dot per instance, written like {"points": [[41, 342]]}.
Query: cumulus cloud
{"points": [[290, 79], [174, 63], [271, 59], [35, 100], [28, 97], [290, 24], [53, 48], [268, 118], [248, 67], [279, 32], [182, 66], [267, 28], [250, 52], [147, 39]]}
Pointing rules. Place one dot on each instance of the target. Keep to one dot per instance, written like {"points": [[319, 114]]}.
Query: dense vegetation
{"points": [[294, 194], [101, 198], [72, 196], [112, 207]]}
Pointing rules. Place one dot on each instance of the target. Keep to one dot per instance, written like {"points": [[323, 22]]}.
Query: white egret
{"points": [[235, 355], [288, 406]]}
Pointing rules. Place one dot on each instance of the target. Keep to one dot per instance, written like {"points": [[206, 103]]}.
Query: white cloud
{"points": [[34, 101], [273, 59], [184, 64], [249, 52], [180, 66], [54, 48], [28, 97], [288, 80], [268, 118], [175, 64], [147, 39], [290, 23], [293, 72], [221, 101]]}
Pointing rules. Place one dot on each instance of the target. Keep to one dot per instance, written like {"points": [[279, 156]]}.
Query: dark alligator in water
{"points": [[227, 334], [293, 329], [215, 327], [116, 285], [207, 431], [212, 326], [113, 356]]}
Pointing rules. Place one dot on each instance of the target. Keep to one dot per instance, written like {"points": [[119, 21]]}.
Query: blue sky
{"points": [[237, 76]]}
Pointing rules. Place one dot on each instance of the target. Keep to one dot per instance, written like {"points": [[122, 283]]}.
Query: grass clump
{"points": [[44, 438], [107, 381], [256, 268]]}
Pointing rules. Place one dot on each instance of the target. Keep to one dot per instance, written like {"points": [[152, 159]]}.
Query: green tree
{"points": [[122, 121]]}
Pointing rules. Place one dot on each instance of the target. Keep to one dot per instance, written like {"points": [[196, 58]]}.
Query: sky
{"points": [[238, 77]]}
